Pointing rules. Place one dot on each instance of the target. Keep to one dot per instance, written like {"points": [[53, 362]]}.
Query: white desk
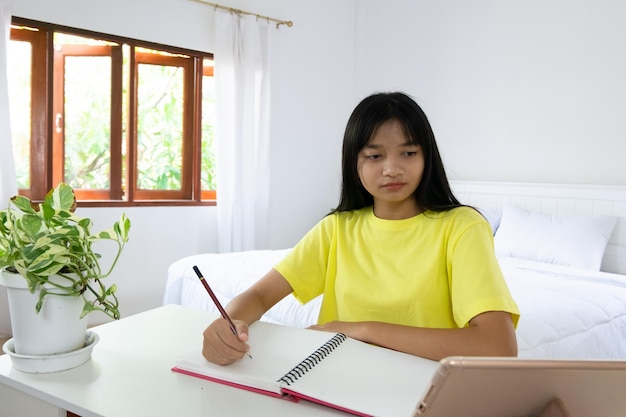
{"points": [[129, 374]]}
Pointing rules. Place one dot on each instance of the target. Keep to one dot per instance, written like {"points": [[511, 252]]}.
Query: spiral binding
{"points": [[313, 359]]}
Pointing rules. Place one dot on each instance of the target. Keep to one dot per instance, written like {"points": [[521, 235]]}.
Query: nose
{"points": [[392, 168]]}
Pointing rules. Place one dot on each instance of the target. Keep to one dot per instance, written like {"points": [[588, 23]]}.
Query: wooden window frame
{"points": [[46, 153], [115, 191], [40, 146], [188, 132]]}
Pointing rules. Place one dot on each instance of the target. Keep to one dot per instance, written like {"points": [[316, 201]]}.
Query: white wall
{"points": [[527, 90], [516, 91]]}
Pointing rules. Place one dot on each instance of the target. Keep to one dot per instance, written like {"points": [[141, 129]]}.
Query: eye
{"points": [[411, 151], [373, 156]]}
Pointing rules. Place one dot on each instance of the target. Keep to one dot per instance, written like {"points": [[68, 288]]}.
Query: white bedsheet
{"points": [[565, 312], [229, 274]]}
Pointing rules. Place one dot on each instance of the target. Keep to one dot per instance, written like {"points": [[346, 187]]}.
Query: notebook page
{"points": [[368, 379], [275, 350]]}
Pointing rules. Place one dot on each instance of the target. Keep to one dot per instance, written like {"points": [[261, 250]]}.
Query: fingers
{"points": [[242, 331], [221, 346]]}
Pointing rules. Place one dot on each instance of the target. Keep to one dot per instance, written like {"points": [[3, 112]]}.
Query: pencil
{"points": [[216, 302]]}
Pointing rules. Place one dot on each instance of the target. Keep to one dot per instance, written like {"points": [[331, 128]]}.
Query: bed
{"points": [[562, 249]]}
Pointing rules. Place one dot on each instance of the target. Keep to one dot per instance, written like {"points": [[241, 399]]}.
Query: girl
{"points": [[401, 263]]}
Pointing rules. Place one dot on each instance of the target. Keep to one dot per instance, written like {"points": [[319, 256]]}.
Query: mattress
{"points": [[565, 312]]}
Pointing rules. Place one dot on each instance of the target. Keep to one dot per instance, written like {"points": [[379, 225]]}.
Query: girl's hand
{"points": [[221, 346]]}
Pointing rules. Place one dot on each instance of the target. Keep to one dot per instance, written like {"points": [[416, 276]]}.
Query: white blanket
{"points": [[565, 312]]}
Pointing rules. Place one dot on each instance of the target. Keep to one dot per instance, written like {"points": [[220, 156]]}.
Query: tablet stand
{"points": [[554, 408]]}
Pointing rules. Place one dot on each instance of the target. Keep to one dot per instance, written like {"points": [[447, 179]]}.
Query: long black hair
{"points": [[433, 192]]}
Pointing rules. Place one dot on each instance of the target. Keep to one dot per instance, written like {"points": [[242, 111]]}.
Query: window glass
{"points": [[87, 121], [208, 127], [159, 127], [19, 65]]}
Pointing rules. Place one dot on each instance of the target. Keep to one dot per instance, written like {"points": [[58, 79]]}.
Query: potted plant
{"points": [[47, 252]]}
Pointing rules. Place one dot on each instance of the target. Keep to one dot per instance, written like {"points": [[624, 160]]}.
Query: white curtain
{"points": [[8, 182], [242, 131]]}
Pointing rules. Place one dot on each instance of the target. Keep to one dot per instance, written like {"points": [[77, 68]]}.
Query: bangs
{"points": [[410, 128]]}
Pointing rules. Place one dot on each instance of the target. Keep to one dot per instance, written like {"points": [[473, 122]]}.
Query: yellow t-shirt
{"points": [[437, 269]]}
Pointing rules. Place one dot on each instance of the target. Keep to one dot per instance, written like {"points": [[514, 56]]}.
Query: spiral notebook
{"points": [[326, 368]]}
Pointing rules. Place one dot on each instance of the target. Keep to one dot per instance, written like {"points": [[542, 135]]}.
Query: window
{"points": [[124, 122]]}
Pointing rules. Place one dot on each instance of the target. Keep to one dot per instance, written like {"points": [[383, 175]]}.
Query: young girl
{"points": [[401, 263]]}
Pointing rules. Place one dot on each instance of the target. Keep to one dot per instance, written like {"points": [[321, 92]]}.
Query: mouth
{"points": [[393, 186]]}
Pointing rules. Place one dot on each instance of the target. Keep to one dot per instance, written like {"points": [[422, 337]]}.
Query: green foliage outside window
{"points": [[87, 122], [159, 130]]}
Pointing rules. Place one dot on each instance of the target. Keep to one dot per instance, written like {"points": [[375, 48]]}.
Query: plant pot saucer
{"points": [[39, 364]]}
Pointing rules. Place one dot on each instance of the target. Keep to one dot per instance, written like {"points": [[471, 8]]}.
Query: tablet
{"points": [[513, 387]]}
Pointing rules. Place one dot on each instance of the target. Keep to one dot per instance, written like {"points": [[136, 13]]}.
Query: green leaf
{"points": [[31, 224], [85, 223], [88, 307], [48, 212], [32, 280], [23, 204], [39, 304], [125, 222], [61, 198], [111, 290]]}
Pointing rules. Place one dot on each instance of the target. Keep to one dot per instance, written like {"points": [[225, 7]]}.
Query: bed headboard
{"points": [[594, 200]]}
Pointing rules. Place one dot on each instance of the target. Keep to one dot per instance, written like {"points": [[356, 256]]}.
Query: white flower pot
{"points": [[56, 329]]}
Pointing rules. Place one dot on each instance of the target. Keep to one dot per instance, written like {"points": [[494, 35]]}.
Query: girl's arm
{"points": [[220, 345], [489, 334]]}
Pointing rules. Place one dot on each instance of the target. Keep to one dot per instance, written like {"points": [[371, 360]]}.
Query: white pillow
{"points": [[570, 240], [493, 216]]}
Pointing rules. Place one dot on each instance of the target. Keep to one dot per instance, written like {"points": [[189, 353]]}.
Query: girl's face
{"points": [[390, 169]]}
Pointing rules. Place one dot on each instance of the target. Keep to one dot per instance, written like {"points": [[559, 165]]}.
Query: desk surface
{"points": [[129, 374]]}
